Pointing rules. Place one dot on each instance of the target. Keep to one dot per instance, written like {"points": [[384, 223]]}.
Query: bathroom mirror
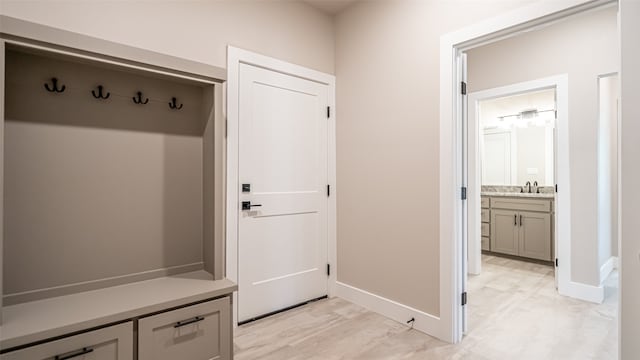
{"points": [[517, 136]]}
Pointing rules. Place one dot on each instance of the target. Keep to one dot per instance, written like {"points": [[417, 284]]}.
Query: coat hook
{"points": [[54, 87], [173, 104], [99, 95], [139, 99]]}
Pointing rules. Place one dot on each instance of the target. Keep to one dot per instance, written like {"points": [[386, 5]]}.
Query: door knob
{"points": [[246, 205]]}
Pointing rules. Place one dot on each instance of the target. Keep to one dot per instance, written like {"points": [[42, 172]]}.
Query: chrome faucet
{"points": [[535, 186], [528, 185]]}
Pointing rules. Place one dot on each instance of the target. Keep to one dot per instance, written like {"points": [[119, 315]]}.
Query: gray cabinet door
{"points": [[504, 232], [198, 332], [110, 343], [535, 235]]}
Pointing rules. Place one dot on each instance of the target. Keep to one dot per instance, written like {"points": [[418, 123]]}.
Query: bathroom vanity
{"points": [[518, 224]]}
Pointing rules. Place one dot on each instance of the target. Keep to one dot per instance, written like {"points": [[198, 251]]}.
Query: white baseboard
{"points": [[424, 322], [607, 268], [594, 294]]}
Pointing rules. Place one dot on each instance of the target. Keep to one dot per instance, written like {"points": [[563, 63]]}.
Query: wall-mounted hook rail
{"points": [[100, 95], [173, 104], [54, 87], [139, 100]]}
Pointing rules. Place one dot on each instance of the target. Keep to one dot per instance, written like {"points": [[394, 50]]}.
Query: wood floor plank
{"points": [[514, 309]]}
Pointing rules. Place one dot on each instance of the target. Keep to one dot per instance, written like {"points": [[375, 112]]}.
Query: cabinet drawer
{"points": [[485, 215], [110, 343], [484, 202], [486, 229], [486, 243], [197, 332], [521, 204]]}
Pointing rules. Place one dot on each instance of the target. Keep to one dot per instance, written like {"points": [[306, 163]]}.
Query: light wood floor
{"points": [[514, 313]]}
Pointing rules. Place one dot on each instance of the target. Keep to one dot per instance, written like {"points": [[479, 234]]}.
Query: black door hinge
{"points": [[556, 262], [328, 112], [328, 269], [463, 194], [328, 190], [464, 298], [463, 88]]}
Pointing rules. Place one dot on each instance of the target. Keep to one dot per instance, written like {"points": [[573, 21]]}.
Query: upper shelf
{"points": [[25, 32], [39, 320]]}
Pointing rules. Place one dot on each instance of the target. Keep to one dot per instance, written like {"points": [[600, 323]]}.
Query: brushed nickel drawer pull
{"points": [[79, 353], [187, 322]]}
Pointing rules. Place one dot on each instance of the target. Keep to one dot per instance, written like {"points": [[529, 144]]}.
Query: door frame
{"points": [[562, 227], [235, 57], [452, 45]]}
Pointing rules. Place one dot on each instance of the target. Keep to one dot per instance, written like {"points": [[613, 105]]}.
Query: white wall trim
{"points": [[451, 44], [235, 57], [594, 294], [394, 310], [607, 268]]}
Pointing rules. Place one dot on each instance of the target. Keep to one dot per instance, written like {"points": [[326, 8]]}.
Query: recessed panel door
{"points": [[282, 234], [504, 231], [535, 235]]}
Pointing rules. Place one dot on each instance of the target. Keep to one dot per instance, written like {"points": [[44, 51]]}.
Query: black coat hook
{"points": [[173, 104], [54, 87], [139, 99], [99, 95]]}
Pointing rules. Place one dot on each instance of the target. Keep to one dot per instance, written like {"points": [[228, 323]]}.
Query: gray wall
{"points": [[387, 69], [558, 49], [98, 189], [195, 30]]}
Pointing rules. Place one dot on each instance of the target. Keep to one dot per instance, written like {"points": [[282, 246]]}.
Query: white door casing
{"points": [[271, 192], [282, 240], [450, 327], [561, 159]]}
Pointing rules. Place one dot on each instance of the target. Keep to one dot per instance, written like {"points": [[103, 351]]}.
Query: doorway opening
{"points": [[531, 204], [512, 142]]}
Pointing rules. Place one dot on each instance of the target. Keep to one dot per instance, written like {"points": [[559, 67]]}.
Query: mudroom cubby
{"points": [[112, 198]]}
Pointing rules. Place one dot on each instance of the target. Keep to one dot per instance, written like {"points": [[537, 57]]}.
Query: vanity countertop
{"points": [[519, 194]]}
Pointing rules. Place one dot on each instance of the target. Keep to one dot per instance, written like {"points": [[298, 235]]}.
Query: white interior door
{"points": [[464, 154], [497, 151], [282, 238]]}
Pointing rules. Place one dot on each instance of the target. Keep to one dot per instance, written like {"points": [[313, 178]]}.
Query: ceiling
{"points": [[330, 7]]}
